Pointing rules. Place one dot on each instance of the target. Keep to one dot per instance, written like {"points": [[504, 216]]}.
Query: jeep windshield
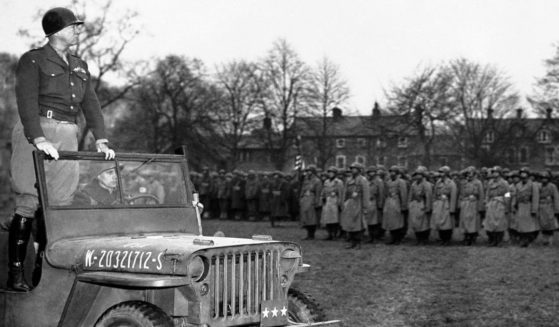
{"points": [[135, 193]]}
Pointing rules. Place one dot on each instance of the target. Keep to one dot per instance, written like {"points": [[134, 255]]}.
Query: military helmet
{"points": [[497, 169], [372, 169], [332, 169], [420, 170], [58, 18], [444, 169], [357, 165], [524, 170], [546, 174], [311, 168]]}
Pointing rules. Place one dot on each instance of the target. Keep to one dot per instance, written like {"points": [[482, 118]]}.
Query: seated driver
{"points": [[102, 190]]}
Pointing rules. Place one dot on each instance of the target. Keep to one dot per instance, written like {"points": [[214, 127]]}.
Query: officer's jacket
{"points": [[422, 192], [472, 191], [445, 189], [46, 85]]}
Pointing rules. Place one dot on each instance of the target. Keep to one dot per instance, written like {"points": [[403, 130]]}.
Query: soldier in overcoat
{"points": [[204, 190], [223, 189], [376, 203], [497, 205], [419, 204], [471, 202], [279, 198], [526, 202], [251, 194], [310, 201], [395, 206], [356, 203], [238, 194], [332, 199], [264, 196], [444, 206], [549, 208]]}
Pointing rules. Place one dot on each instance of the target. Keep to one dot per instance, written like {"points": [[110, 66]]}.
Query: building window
{"points": [[381, 143], [362, 142], [380, 160], [360, 159], [544, 136], [523, 155], [489, 137], [402, 161], [486, 147], [341, 161], [511, 155], [549, 155], [402, 142], [244, 156], [340, 143]]}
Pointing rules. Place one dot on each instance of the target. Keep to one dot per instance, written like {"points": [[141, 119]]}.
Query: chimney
{"points": [[267, 123], [548, 111], [336, 113], [376, 110], [489, 112], [519, 113]]}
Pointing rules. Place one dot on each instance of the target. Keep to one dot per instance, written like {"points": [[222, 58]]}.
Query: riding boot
{"points": [[20, 231], [490, 238], [41, 240], [352, 240]]}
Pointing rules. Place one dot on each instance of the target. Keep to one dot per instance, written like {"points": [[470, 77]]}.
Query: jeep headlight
{"points": [[197, 268], [288, 262]]}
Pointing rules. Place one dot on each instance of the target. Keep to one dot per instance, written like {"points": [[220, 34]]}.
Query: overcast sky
{"points": [[376, 42]]}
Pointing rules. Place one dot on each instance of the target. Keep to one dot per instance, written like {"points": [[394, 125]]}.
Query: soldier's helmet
{"points": [[395, 169], [381, 170], [470, 170], [58, 18], [332, 169], [420, 170], [357, 165], [444, 170], [497, 169], [524, 170], [372, 169], [311, 168], [545, 175]]}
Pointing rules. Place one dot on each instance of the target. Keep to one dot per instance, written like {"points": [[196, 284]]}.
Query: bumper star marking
{"points": [[273, 313]]}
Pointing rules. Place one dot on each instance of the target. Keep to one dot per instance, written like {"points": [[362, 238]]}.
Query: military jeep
{"points": [[141, 259]]}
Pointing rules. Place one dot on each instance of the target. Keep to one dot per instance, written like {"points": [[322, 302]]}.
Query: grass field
{"points": [[409, 285]]}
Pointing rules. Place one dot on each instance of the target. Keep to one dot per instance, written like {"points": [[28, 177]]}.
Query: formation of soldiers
{"points": [[373, 202]]}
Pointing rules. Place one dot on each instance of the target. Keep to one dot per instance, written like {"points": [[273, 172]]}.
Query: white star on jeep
{"points": [[265, 313], [284, 311], [275, 312]]}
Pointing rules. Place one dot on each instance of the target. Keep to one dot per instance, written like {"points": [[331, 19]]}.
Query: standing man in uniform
{"points": [[356, 196], [395, 206], [52, 87], [376, 203], [310, 201], [497, 206], [420, 201], [444, 206], [332, 199], [549, 208], [471, 197], [251, 194], [527, 200], [204, 189]]}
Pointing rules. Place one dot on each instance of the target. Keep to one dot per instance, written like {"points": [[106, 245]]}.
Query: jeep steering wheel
{"points": [[143, 199]]}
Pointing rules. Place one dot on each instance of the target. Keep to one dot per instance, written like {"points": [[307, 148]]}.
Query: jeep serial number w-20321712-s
{"points": [[126, 259]]}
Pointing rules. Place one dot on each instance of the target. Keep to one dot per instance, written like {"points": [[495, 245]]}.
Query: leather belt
{"points": [[58, 115]]}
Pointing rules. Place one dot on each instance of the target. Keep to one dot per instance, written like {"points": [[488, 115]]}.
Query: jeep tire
{"points": [[302, 308], [134, 314]]}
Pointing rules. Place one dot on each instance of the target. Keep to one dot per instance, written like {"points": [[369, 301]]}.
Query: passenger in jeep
{"points": [[102, 190]]}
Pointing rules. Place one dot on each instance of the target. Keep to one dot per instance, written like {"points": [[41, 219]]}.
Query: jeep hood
{"points": [[167, 254]]}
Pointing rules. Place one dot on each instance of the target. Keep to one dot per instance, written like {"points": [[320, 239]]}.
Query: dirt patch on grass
{"points": [[409, 285]]}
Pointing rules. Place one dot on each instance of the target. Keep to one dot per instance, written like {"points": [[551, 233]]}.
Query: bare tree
{"points": [[481, 96], [327, 90], [238, 81], [284, 88], [426, 99], [546, 93], [8, 107]]}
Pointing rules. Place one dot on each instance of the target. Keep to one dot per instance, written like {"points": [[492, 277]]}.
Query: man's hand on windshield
{"points": [[103, 147], [47, 148]]}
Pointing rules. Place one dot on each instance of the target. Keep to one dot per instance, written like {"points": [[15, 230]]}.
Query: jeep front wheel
{"points": [[302, 308], [134, 314]]}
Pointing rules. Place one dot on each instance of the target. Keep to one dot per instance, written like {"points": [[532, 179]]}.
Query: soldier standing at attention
{"points": [[332, 199], [204, 189], [526, 208], [444, 206], [549, 208], [420, 201], [471, 197], [279, 200], [251, 194], [52, 87], [264, 196], [395, 206], [310, 201], [237, 194], [497, 199], [356, 196], [376, 203], [223, 189]]}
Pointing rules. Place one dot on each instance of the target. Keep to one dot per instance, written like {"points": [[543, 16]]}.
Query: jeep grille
{"points": [[241, 280]]}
